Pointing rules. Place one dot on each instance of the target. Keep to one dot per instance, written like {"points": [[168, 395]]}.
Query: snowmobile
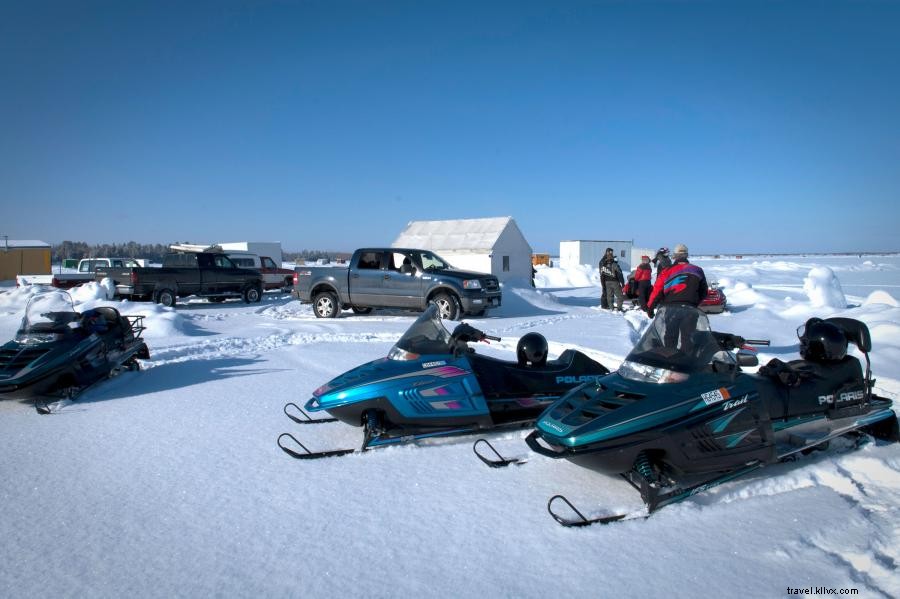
{"points": [[58, 352], [680, 415], [432, 384]]}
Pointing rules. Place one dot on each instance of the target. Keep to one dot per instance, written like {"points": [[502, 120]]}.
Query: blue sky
{"points": [[729, 126]]}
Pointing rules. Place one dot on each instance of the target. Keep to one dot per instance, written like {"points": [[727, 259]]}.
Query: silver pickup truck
{"points": [[395, 278]]}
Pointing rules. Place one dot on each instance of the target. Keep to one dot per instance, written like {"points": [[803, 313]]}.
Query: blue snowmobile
{"points": [[58, 353], [680, 415], [432, 384]]}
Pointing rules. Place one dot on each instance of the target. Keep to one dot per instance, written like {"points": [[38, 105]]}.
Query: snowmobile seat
{"points": [[502, 379], [805, 388], [856, 332]]}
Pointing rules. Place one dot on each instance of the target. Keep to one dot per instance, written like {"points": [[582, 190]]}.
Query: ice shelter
{"points": [[489, 245], [590, 252], [23, 257]]}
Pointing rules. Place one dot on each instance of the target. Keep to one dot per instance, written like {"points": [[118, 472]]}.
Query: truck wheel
{"points": [[166, 297], [325, 305], [251, 295], [448, 305], [288, 286], [361, 310]]}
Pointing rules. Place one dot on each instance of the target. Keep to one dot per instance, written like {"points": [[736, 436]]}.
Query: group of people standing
{"points": [[677, 281]]}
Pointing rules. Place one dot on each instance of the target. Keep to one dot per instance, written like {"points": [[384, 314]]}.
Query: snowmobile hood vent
{"points": [[588, 403], [14, 359]]}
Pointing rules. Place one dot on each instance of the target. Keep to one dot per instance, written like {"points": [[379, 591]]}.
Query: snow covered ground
{"points": [[168, 482]]}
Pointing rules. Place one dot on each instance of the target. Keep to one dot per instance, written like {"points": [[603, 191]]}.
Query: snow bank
{"points": [[16, 299], [581, 275], [824, 289], [89, 292], [881, 297], [741, 293]]}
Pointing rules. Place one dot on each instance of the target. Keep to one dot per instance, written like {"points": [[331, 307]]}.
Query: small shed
{"points": [[488, 245], [23, 257], [590, 252]]}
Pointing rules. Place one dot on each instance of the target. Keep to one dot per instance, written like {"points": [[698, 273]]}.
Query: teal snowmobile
{"points": [[432, 384], [681, 415], [58, 352]]}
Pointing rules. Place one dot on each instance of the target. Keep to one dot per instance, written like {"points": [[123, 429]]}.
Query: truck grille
{"points": [[490, 284]]}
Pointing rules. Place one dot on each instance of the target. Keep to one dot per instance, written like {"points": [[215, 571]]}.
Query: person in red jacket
{"points": [[642, 276], [683, 284]]}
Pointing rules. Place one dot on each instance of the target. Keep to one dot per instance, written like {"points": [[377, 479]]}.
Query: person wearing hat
{"points": [[683, 284], [642, 276], [662, 260], [611, 279]]}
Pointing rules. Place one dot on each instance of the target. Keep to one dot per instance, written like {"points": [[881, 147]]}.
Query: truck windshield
{"points": [[433, 261], [678, 342], [427, 335]]}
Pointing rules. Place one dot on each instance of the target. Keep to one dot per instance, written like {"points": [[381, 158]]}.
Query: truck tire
{"points": [[166, 297], [252, 294], [325, 305], [361, 310], [288, 286], [448, 305]]}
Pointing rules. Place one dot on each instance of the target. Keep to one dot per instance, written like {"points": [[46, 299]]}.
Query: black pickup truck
{"points": [[395, 278], [205, 274]]}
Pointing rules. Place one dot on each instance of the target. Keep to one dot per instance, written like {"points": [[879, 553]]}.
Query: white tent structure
{"points": [[489, 245]]}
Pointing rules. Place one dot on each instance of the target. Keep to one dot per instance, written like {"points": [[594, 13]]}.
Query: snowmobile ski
{"points": [[303, 417], [584, 520], [309, 455], [499, 461]]}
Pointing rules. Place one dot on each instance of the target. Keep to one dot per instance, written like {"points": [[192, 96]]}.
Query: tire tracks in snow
{"points": [[241, 346]]}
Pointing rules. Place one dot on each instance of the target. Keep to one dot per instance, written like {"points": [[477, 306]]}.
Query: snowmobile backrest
{"points": [[857, 332]]}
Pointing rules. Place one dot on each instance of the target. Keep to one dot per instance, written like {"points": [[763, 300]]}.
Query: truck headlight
{"points": [[472, 284]]}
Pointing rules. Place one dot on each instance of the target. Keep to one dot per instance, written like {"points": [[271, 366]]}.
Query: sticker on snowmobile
{"points": [[572, 379], [843, 397], [715, 396], [733, 404], [435, 363]]}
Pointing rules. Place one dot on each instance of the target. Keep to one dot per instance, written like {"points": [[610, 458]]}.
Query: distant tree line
{"points": [[313, 255], [154, 252]]}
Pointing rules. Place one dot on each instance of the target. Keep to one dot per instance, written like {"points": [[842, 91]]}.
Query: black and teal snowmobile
{"points": [[58, 352], [680, 415], [432, 384]]}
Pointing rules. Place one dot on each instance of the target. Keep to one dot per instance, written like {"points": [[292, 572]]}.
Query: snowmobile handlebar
{"points": [[731, 342], [467, 334]]}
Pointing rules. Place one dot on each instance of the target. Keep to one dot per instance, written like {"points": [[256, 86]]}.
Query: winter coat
{"points": [[681, 283], [610, 271], [642, 272]]}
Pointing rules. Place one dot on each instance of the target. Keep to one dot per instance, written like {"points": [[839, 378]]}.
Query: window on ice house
{"points": [[505, 263]]}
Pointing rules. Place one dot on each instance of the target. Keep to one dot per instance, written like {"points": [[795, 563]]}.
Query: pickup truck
{"points": [[395, 278], [274, 277], [205, 274], [85, 274]]}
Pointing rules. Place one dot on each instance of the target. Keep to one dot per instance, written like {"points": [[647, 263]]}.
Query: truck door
{"points": [[367, 278], [402, 281], [269, 272], [229, 279]]}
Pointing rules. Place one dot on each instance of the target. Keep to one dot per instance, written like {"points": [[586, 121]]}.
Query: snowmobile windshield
{"points": [[427, 335], [678, 343], [48, 316]]}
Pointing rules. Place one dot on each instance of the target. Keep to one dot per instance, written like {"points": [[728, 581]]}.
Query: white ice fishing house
{"points": [[489, 245], [590, 252]]}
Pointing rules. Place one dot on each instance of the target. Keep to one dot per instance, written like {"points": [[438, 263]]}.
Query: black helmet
{"points": [[822, 341], [532, 350]]}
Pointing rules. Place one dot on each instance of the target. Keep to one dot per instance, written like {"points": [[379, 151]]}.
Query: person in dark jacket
{"points": [[642, 276], [682, 283], [662, 260], [612, 279]]}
